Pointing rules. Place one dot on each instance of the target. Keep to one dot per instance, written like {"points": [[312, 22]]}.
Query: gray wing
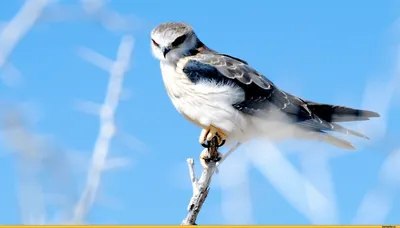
{"points": [[261, 95]]}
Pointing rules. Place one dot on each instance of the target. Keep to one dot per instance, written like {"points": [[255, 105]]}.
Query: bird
{"points": [[230, 100]]}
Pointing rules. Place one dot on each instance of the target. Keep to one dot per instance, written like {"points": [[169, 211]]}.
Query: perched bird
{"points": [[229, 99]]}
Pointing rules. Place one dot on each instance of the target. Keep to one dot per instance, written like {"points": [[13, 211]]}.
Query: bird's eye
{"points": [[179, 40], [155, 43]]}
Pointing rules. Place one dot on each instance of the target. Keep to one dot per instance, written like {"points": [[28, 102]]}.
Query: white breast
{"points": [[204, 103]]}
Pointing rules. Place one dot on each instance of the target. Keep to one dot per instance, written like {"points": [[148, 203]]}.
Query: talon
{"points": [[217, 159], [209, 133], [222, 143], [203, 136], [205, 158]]}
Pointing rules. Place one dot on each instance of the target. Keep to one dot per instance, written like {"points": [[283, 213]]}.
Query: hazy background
{"points": [[341, 52]]}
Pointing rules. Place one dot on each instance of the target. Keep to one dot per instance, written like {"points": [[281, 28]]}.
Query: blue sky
{"points": [[340, 52]]}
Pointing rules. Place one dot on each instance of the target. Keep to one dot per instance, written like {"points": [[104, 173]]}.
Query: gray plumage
{"points": [[258, 97], [173, 29]]}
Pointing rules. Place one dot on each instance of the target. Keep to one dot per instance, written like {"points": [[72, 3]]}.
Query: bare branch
{"points": [[192, 173], [115, 163], [29, 156], [107, 130], [200, 191], [12, 33], [201, 186], [95, 11], [95, 58], [36, 154], [88, 107]]}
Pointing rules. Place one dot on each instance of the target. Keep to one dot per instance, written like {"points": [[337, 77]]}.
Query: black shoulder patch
{"points": [[197, 71]]}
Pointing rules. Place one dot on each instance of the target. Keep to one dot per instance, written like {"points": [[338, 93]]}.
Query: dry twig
{"points": [[201, 186]]}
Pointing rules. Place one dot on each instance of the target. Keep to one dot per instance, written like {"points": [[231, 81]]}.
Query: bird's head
{"points": [[173, 40]]}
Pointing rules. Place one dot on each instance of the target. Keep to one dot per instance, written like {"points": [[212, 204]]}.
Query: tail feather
{"points": [[324, 118], [320, 124], [334, 113], [327, 138], [341, 129], [341, 143]]}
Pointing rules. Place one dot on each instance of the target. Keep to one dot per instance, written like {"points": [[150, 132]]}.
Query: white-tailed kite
{"points": [[229, 99]]}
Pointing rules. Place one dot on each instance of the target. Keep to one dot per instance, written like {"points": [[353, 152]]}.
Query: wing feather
{"points": [[262, 97]]}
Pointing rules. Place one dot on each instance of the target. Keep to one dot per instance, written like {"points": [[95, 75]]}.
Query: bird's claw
{"points": [[208, 134], [205, 158], [207, 144]]}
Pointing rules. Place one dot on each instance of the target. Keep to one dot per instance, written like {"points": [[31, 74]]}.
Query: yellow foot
{"points": [[209, 133], [205, 158]]}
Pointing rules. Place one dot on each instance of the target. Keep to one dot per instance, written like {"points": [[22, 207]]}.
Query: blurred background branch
{"points": [[107, 130], [37, 156]]}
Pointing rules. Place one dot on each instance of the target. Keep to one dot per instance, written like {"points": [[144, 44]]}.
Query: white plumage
{"points": [[229, 99], [206, 103]]}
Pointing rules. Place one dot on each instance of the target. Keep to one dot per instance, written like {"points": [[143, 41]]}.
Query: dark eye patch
{"points": [[155, 43], [179, 40]]}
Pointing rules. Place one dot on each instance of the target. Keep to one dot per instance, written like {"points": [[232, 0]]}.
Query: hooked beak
{"points": [[165, 51]]}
